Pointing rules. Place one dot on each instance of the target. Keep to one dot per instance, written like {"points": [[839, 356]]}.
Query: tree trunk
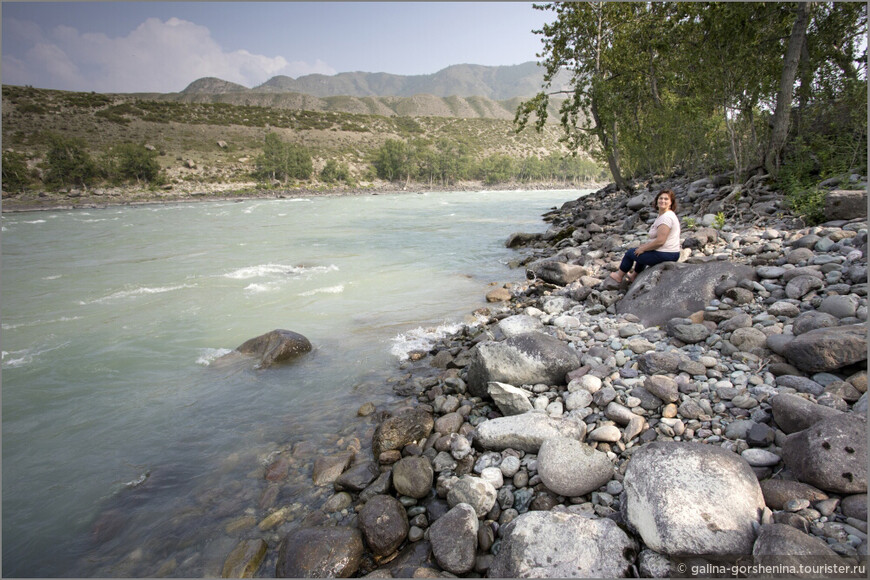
{"points": [[607, 146], [786, 88]]}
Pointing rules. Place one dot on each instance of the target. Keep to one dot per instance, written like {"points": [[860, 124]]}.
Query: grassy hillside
{"points": [[218, 142]]}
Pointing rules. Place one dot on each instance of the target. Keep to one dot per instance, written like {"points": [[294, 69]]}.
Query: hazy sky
{"points": [[164, 46]]}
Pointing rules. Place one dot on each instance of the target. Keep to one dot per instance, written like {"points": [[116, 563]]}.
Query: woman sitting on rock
{"points": [[663, 244]]}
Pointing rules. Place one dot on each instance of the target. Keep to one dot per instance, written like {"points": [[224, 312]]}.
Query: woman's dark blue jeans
{"points": [[646, 259]]}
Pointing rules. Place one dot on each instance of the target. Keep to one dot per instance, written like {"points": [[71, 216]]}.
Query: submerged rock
{"points": [[274, 348]]}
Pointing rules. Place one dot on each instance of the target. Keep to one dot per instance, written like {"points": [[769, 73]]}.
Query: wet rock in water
{"points": [[498, 295], [676, 290], [563, 545], [412, 476], [474, 491], [320, 552], [688, 498], [276, 347], [525, 432], [571, 468], [454, 539], [828, 349], [831, 455], [793, 413], [528, 358], [397, 431], [327, 469], [509, 399], [384, 523], [245, 559], [779, 491], [358, 476]]}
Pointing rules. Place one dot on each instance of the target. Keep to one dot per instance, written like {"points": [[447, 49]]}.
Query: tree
{"points": [[581, 41], [282, 160], [334, 171], [394, 160], [68, 162]]}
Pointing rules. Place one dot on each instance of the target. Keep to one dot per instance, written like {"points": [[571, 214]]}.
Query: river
{"points": [[125, 447]]}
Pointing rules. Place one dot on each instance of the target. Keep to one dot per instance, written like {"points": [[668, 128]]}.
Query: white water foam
{"points": [[39, 322], [330, 290], [258, 288], [55, 277], [421, 339], [136, 292], [20, 358], [277, 269], [208, 355]]}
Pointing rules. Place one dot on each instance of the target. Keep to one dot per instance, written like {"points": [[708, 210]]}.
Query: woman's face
{"points": [[663, 202]]}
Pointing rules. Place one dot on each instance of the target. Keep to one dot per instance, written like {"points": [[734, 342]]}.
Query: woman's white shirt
{"points": [[672, 243]]}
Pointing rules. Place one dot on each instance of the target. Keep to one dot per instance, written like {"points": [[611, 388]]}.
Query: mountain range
{"points": [[463, 91], [463, 80]]}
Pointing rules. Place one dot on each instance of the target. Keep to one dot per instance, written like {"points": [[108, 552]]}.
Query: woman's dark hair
{"points": [[670, 193]]}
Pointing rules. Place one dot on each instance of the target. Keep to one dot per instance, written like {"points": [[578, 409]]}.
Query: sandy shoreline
{"points": [[134, 197]]}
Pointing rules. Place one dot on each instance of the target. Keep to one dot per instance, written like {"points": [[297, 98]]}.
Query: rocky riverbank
{"points": [[713, 412]]}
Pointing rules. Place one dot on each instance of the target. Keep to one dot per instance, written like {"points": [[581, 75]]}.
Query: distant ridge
{"points": [[463, 80], [213, 86]]}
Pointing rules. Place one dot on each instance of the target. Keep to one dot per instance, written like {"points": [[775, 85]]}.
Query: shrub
{"points": [[16, 176], [132, 161], [68, 162]]}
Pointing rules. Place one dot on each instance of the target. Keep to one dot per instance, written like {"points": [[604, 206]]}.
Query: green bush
{"points": [[130, 161], [68, 163], [16, 176]]}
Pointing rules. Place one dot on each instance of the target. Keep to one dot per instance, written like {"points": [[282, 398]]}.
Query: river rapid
{"points": [[126, 448]]}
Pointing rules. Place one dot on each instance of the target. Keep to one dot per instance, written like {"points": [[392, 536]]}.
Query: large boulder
{"points": [[692, 499], [828, 349], [525, 432], [528, 358], [321, 552], [274, 348], [397, 431], [550, 544], [571, 468], [454, 539], [831, 455], [677, 290]]}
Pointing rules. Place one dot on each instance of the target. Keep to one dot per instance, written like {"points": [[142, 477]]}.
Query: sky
{"points": [[162, 47]]}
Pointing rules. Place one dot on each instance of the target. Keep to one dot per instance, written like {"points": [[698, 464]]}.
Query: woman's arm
{"points": [[658, 242]]}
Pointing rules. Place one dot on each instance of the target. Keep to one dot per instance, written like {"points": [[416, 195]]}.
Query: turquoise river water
{"points": [[120, 435]]}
